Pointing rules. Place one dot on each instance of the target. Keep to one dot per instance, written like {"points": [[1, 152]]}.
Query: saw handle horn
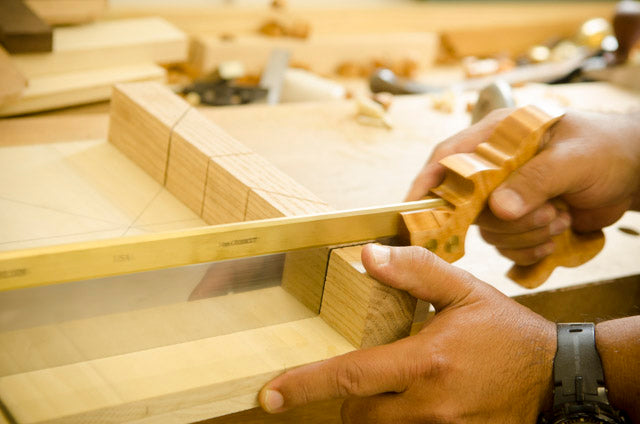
{"points": [[469, 180]]}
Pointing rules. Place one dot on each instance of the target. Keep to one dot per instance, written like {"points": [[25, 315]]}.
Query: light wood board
{"points": [[107, 44], [74, 88]]}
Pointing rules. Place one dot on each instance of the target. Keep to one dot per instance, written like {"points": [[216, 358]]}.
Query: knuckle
{"points": [[437, 365], [534, 175], [348, 379]]}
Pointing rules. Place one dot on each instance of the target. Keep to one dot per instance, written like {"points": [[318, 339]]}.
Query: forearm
{"points": [[618, 343]]}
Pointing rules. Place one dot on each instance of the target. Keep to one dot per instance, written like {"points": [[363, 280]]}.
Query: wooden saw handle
{"points": [[471, 177]]}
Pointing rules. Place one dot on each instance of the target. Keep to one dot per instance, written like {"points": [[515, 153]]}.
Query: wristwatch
{"points": [[580, 394]]}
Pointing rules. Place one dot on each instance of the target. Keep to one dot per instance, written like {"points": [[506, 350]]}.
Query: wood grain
{"points": [[204, 378], [194, 140], [364, 311], [141, 122]]}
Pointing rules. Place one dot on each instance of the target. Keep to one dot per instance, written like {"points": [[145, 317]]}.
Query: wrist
{"points": [[618, 344]]}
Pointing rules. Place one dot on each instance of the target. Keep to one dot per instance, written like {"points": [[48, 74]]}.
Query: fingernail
{"points": [[381, 254], [558, 226], [273, 400], [544, 250], [510, 201]]}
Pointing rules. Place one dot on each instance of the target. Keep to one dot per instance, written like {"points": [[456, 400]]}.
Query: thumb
{"points": [[420, 272], [545, 176]]}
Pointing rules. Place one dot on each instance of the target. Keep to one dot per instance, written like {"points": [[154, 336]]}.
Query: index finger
{"points": [[368, 372]]}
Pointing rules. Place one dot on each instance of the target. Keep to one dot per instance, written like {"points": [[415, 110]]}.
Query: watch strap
{"points": [[577, 369]]}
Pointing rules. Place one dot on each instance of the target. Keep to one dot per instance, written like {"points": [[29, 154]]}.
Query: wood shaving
{"points": [[444, 102]]}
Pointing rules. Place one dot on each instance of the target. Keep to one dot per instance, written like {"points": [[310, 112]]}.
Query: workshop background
{"points": [[129, 124]]}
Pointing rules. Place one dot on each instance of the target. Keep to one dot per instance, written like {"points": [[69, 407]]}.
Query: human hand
{"points": [[591, 161], [483, 358]]}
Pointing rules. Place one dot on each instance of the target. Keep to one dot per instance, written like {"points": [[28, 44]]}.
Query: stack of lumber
{"points": [[87, 60]]}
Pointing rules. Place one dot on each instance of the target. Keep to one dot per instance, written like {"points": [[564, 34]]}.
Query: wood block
{"points": [[68, 12], [364, 311], [141, 120], [107, 44], [21, 30], [12, 82], [194, 140], [76, 88]]}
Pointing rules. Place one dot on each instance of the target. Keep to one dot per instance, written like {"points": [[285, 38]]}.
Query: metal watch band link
{"points": [[577, 370]]}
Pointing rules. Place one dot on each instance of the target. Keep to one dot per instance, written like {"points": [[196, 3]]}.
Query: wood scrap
{"points": [[68, 12], [106, 45], [74, 88], [21, 30], [12, 82]]}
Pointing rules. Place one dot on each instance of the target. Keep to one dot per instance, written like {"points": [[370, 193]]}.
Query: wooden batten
{"points": [[364, 311]]}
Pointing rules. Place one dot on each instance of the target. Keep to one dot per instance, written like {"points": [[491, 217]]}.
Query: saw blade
{"points": [[102, 258]]}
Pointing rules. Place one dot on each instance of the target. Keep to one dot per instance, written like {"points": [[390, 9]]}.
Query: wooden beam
{"points": [[107, 44], [21, 30]]}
